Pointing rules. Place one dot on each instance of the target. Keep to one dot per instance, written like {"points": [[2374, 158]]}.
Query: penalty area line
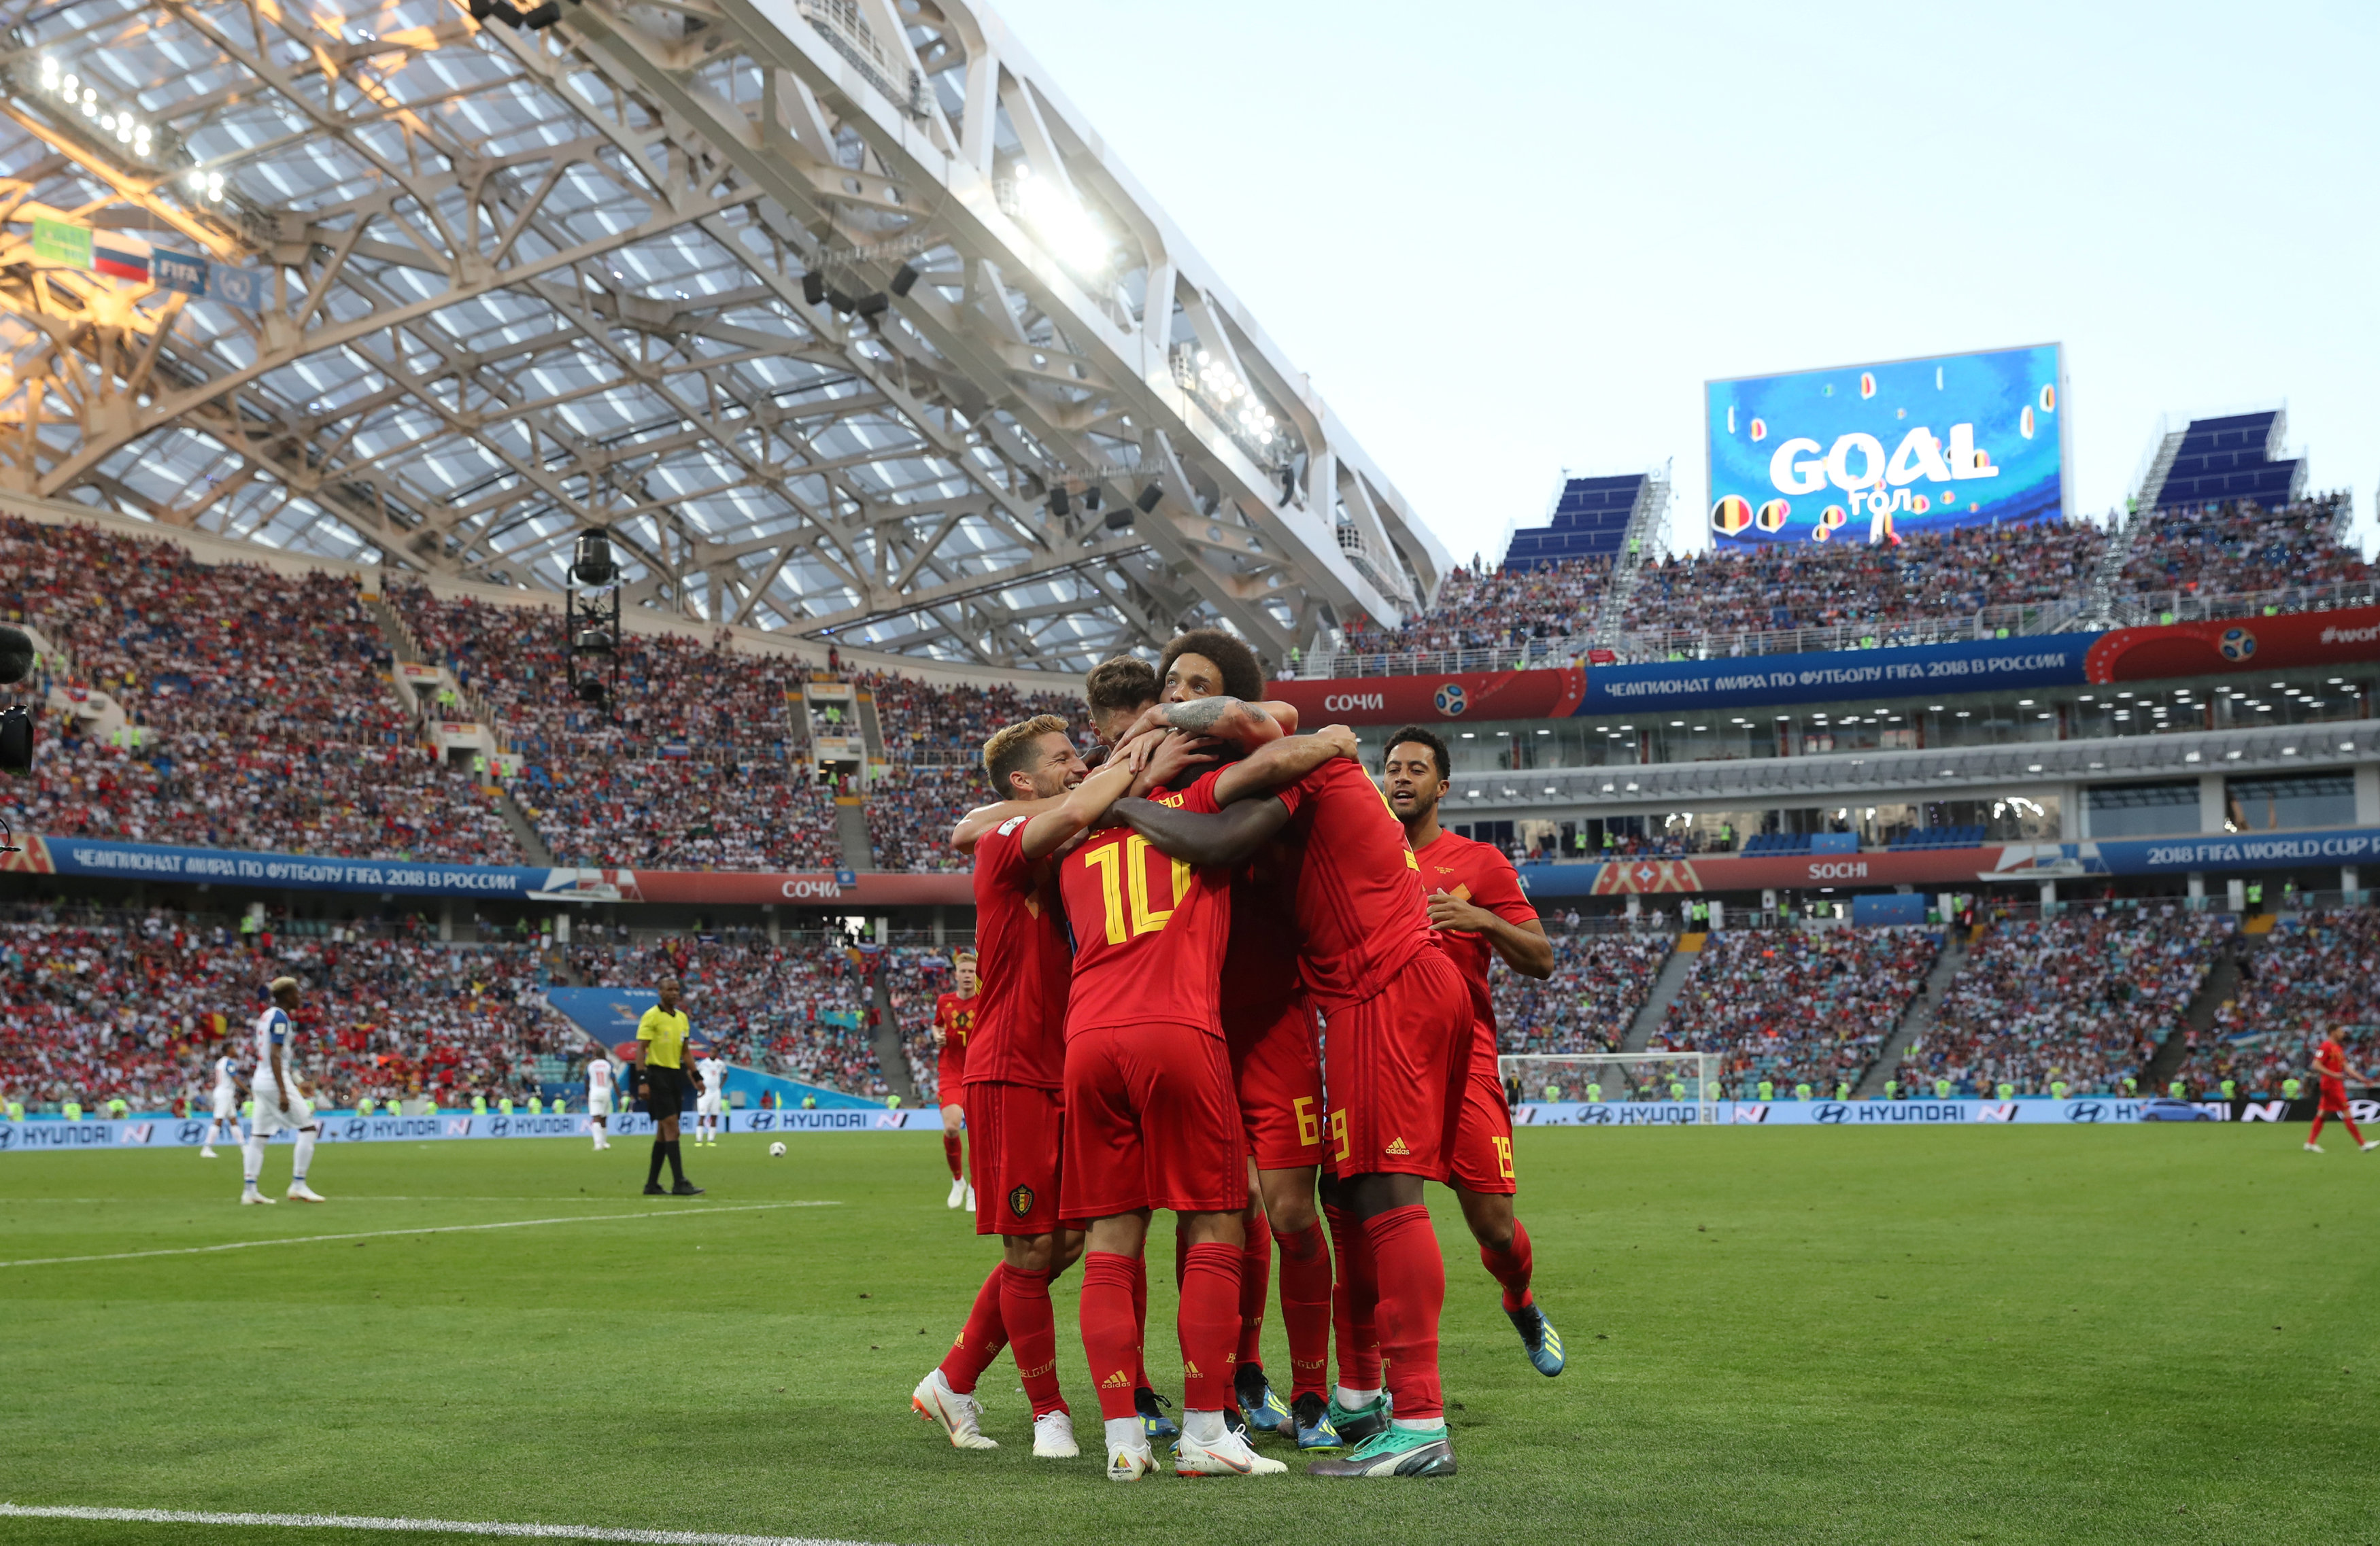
{"points": [[416, 1527], [429, 1229]]}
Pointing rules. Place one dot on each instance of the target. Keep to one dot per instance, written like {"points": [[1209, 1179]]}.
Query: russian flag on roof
{"points": [[122, 256]]}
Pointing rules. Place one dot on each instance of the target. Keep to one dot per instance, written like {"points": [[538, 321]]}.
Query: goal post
{"points": [[1586, 1077]]}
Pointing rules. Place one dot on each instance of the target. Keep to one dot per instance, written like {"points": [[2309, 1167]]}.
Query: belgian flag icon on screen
{"points": [[1772, 514], [1730, 514]]}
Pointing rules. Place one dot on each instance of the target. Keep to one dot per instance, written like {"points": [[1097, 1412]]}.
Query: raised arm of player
{"points": [[1283, 761], [1081, 807], [1244, 725], [1524, 947], [1227, 838]]}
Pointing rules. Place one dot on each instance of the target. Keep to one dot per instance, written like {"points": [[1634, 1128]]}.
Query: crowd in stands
{"points": [[695, 776], [804, 1011], [1812, 585], [1483, 607], [933, 737], [2071, 1005], [2229, 550], [138, 1007], [1790, 1008], [257, 712], [1598, 982], [911, 811], [915, 977], [2312, 978]]}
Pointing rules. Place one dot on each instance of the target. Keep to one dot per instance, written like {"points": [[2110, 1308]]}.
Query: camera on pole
{"points": [[590, 622]]}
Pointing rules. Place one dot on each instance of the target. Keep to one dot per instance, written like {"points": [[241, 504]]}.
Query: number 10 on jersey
{"points": [[1132, 886]]}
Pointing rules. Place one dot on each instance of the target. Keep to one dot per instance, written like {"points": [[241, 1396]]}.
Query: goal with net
{"points": [[1587, 1078]]}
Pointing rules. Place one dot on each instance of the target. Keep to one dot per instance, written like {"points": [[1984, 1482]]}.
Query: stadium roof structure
{"points": [[834, 311]]}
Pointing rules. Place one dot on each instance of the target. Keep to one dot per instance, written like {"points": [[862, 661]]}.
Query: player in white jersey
{"points": [[711, 1106], [280, 1099], [598, 1100], [227, 1117]]}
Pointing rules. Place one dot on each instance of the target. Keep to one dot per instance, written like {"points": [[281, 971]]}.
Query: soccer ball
{"points": [[776, 1151], [2237, 643]]}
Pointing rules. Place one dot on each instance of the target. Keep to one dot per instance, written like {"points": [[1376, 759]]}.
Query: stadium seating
{"points": [[1590, 521], [139, 1008], [800, 1010], [1793, 1006], [2241, 549], [1496, 609], [934, 737], [2078, 1000], [1775, 843], [1938, 837], [2312, 978], [263, 720], [1599, 981], [697, 777], [2230, 460], [915, 977]]}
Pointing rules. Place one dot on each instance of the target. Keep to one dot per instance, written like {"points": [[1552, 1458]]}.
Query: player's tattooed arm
{"points": [[1283, 761], [1229, 837], [1523, 945], [1244, 725]]}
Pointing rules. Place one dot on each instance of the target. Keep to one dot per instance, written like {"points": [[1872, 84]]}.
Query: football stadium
{"points": [[732, 818]]}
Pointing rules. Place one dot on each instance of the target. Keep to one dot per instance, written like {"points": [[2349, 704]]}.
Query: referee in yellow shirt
{"points": [[669, 1087]]}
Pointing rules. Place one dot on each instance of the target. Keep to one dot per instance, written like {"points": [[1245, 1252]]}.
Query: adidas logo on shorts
{"points": [[1397, 1146]]}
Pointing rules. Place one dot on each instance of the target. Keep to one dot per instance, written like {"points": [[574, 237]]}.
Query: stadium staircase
{"points": [[1918, 1016], [2218, 987], [1648, 533], [1667, 985], [405, 648], [891, 1054]]}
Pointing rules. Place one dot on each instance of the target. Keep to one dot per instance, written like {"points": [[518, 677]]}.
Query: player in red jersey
{"points": [[1015, 1071], [1151, 1121], [1477, 905], [954, 1022], [2330, 1066], [1270, 1032], [1396, 1044]]}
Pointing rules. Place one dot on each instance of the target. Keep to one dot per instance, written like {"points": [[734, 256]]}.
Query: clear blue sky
{"points": [[1511, 239]]}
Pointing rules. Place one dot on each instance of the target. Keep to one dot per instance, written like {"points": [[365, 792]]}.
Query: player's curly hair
{"points": [[1243, 677], [1011, 750], [1420, 737]]}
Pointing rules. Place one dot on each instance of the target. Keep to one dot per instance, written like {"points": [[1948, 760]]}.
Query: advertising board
{"points": [[1866, 452]]}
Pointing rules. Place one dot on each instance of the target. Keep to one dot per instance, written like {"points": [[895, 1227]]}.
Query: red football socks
{"points": [[1208, 1324], [1110, 1333], [1140, 1322], [1255, 1276], [1352, 1302], [1412, 1292], [1306, 1309], [1511, 1267], [2352, 1130], [1025, 1311], [980, 1339], [950, 1152]]}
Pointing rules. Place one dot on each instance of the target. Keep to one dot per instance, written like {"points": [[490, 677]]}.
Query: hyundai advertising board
{"points": [[1869, 453]]}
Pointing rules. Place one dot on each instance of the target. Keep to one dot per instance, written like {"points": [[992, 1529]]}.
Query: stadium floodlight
{"points": [[1058, 218], [1641, 1088]]}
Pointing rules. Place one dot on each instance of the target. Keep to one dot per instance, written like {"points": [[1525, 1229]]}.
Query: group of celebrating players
{"points": [[1228, 976]]}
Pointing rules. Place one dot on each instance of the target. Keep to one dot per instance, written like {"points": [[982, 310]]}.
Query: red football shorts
{"points": [[1480, 1150], [950, 1079], [2333, 1097], [1018, 1132], [1150, 1123], [1277, 1074], [1395, 1061]]}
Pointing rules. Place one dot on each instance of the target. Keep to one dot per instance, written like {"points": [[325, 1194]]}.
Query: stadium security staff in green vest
{"points": [[2131, 1085], [2005, 1090], [1941, 1088], [363, 1106], [1892, 1089], [479, 1105], [1595, 1092], [71, 1109], [15, 1109], [116, 1108], [1676, 1090], [504, 1104], [535, 1106], [2057, 1088], [1767, 1089], [2292, 1088], [1801, 1090], [2178, 1089], [2255, 896], [2231, 1089], [1842, 1088], [1553, 1092]]}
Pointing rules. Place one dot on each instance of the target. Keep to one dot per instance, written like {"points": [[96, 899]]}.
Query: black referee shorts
{"points": [[665, 1093]]}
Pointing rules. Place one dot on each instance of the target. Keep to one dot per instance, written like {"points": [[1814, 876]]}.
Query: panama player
{"points": [[954, 1021], [1396, 1046], [1477, 905], [2330, 1067], [227, 1105], [598, 1100], [1208, 681], [280, 1098], [711, 1106], [1151, 1120], [1015, 1075]]}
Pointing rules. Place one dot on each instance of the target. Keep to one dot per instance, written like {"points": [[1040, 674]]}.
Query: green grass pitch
{"points": [[2139, 1333]]}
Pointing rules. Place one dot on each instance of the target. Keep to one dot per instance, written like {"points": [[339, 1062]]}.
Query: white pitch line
{"points": [[434, 1229], [419, 1527]]}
